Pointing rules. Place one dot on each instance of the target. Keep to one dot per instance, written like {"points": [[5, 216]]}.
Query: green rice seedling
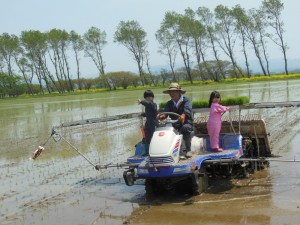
{"points": [[225, 101], [200, 104], [235, 101]]}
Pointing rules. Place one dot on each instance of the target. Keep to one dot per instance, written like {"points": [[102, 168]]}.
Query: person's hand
{"points": [[139, 101], [182, 118], [228, 108], [161, 116]]}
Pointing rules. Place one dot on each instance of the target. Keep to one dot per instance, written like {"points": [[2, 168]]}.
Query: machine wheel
{"points": [[184, 186], [128, 176], [152, 187], [200, 182], [148, 187], [228, 171]]}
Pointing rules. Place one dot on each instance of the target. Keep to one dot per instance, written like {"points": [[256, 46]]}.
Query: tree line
{"points": [[204, 41]]}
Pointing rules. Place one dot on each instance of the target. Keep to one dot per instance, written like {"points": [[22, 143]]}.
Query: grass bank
{"points": [[256, 78]]}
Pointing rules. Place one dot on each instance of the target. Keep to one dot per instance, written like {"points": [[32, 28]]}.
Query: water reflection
{"points": [[25, 124], [33, 119]]}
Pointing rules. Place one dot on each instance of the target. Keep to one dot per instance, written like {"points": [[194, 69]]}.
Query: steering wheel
{"points": [[169, 120]]}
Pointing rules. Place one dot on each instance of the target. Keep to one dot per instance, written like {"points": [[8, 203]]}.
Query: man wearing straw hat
{"points": [[181, 105]]}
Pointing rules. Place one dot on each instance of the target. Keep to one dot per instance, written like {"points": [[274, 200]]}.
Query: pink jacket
{"points": [[214, 123], [215, 112]]}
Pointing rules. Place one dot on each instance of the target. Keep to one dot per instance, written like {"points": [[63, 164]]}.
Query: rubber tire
{"points": [[201, 183], [128, 177], [152, 187]]}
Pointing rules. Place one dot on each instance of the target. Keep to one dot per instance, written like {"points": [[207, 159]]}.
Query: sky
{"points": [[78, 15]]}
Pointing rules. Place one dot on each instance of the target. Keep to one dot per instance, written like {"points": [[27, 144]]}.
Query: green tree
{"points": [[252, 34], [77, 44], [133, 37], [58, 42], [11, 85], [8, 45], [35, 48], [87, 83], [227, 30], [261, 28], [207, 18], [198, 36], [241, 21], [273, 10], [12, 52], [178, 26], [122, 79], [95, 41], [26, 70], [167, 47]]}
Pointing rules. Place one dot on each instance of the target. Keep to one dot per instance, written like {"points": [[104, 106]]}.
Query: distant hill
{"points": [[276, 65]]}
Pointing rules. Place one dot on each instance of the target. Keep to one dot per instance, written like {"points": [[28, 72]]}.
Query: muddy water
{"points": [[61, 187]]}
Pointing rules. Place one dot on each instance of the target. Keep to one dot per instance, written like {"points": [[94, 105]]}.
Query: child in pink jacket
{"points": [[214, 121]]}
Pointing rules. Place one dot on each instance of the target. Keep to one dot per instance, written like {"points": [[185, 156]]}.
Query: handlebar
{"points": [[169, 120]]}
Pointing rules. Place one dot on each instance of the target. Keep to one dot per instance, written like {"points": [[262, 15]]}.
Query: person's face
{"points": [[175, 95], [216, 100], [149, 98]]}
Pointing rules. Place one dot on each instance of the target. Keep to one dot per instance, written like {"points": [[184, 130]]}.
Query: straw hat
{"points": [[174, 87]]}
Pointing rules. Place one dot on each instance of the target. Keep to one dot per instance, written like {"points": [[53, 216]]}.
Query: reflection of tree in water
{"points": [[59, 168], [106, 138]]}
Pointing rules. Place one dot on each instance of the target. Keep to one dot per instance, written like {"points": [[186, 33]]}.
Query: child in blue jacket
{"points": [[150, 114]]}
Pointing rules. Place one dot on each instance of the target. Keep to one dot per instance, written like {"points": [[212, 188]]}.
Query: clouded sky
{"points": [[79, 15]]}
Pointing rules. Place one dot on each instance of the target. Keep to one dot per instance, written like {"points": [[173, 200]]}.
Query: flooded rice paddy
{"points": [[61, 187]]}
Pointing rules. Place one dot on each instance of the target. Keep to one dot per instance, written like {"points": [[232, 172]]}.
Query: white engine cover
{"points": [[165, 143]]}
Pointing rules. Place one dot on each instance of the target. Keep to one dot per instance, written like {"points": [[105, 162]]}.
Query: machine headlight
{"points": [[182, 170], [142, 171]]}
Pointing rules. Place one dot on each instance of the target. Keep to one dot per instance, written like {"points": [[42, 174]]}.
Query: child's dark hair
{"points": [[148, 93], [214, 94]]}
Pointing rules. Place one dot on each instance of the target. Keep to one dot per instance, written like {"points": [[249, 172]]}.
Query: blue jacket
{"points": [[185, 107]]}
